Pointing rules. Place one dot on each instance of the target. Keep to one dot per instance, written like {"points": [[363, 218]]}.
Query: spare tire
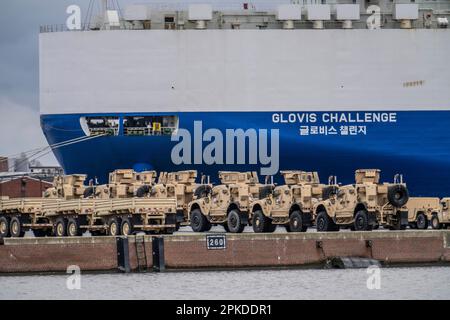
{"points": [[398, 195], [142, 191], [202, 191], [89, 191], [327, 192]]}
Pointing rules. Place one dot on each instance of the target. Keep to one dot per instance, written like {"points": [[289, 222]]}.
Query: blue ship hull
{"points": [[417, 145]]}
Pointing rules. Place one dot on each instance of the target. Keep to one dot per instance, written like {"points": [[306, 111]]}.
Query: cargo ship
{"points": [[329, 87]]}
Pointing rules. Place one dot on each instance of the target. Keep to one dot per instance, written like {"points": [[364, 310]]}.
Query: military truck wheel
{"points": [[73, 228], [208, 226], [199, 223], [4, 227], [323, 222], [259, 222], [126, 227], [421, 221], [113, 227], [234, 222], [225, 226], [361, 221], [60, 228], [398, 195], [435, 224], [16, 228], [270, 227], [296, 222]]}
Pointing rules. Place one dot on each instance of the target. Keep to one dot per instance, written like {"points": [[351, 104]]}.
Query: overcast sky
{"points": [[19, 64]]}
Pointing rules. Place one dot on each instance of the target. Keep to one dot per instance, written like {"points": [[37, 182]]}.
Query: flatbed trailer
{"points": [[60, 217]]}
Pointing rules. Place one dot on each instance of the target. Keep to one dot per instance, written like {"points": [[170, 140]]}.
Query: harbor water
{"points": [[395, 283]]}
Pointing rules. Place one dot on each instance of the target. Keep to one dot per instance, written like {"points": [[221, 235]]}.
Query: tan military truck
{"points": [[291, 204], [64, 211], [181, 185], [123, 183], [441, 219], [229, 203], [420, 211], [365, 205]]}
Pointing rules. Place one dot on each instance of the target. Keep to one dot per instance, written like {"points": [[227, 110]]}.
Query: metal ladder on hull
{"points": [[141, 254]]}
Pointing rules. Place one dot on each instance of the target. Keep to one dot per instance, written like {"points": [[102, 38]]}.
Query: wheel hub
{"points": [[113, 229], [126, 229], [59, 228], [72, 229], [15, 227], [3, 227]]}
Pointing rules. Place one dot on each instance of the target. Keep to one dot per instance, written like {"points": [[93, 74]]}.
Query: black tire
{"points": [[234, 222], [270, 227], [259, 222], [73, 228], [225, 226], [88, 192], [4, 227], [421, 221], [208, 226], [60, 228], [199, 223], [323, 222], [296, 222], [126, 227], [361, 221], [142, 191], [435, 224], [398, 195], [15, 228], [113, 227]]}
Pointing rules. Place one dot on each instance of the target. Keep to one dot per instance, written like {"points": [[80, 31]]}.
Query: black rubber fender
{"points": [[398, 195]]}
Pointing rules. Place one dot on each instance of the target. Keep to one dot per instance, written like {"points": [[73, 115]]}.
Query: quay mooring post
{"points": [[159, 264], [123, 255]]}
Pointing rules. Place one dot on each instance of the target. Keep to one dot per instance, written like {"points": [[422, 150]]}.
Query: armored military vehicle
{"points": [[67, 187], [124, 183], [182, 186], [229, 203], [291, 204], [365, 205], [421, 210], [441, 219]]}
